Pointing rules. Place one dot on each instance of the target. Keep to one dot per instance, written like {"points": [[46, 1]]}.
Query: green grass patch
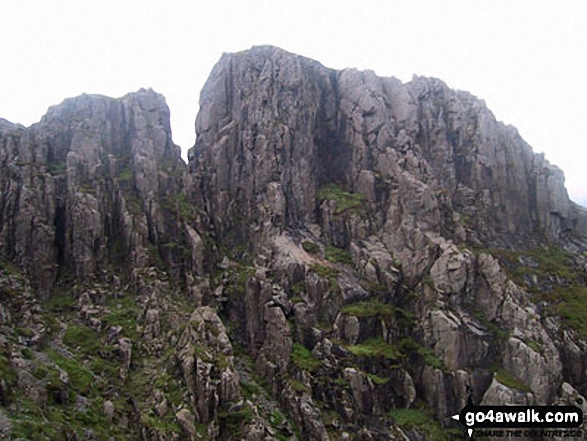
{"points": [[310, 247], [250, 390], [60, 301], [498, 333], [334, 254], [326, 272], [80, 378], [83, 338], [233, 422], [572, 308], [123, 312], [55, 169], [509, 380], [298, 386], [27, 353], [408, 345], [535, 346], [25, 332], [418, 419], [179, 205], [374, 348], [304, 359], [370, 308], [7, 372], [125, 174], [343, 200], [567, 299], [276, 418], [380, 381]]}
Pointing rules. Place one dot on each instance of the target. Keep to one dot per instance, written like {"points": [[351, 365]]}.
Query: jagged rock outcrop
{"points": [[344, 257], [91, 185], [402, 177]]}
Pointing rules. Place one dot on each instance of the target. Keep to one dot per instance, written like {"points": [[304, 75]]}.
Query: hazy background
{"points": [[526, 59]]}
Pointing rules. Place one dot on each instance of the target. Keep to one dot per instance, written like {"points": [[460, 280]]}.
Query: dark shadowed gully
{"points": [[344, 257]]}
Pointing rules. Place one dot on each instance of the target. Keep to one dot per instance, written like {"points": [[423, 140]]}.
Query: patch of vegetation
{"points": [[234, 421], [408, 345], [327, 272], [80, 378], [86, 188], [56, 169], [60, 301], [123, 312], [40, 372], [276, 418], [499, 334], [181, 206], [509, 380], [134, 204], [380, 381], [310, 247], [343, 200], [7, 372], [334, 254], [250, 390], [370, 308], [298, 386], [105, 368], [298, 288], [83, 338], [418, 419], [27, 353], [304, 359], [374, 347], [324, 271], [572, 308], [25, 332], [237, 282], [535, 346], [161, 425], [125, 174], [431, 359]]}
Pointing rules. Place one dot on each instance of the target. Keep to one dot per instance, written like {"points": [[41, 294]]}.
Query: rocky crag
{"points": [[344, 257]]}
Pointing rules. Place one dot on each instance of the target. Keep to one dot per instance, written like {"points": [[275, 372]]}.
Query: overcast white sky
{"points": [[526, 59]]}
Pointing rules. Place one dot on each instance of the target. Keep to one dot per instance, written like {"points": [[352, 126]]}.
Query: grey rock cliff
{"points": [[344, 257]]}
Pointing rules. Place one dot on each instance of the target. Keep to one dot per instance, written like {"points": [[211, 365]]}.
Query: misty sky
{"points": [[526, 59]]}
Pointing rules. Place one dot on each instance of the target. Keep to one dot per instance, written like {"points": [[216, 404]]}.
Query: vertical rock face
{"points": [[257, 154], [345, 256], [85, 187], [275, 127], [295, 163]]}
